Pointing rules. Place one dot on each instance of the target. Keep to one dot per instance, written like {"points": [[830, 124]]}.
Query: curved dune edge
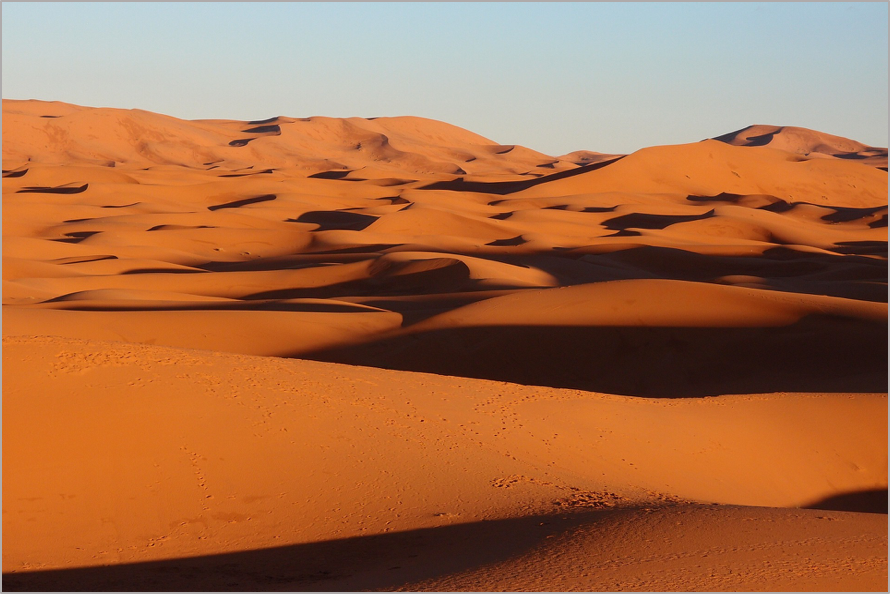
{"points": [[210, 453]]}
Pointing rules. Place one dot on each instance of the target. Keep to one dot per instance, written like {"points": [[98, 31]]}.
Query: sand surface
{"points": [[351, 354]]}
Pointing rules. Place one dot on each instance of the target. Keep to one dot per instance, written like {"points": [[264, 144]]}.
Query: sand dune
{"points": [[807, 142], [207, 454], [321, 353]]}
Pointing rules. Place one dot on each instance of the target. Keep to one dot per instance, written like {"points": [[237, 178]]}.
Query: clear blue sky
{"points": [[555, 77]]}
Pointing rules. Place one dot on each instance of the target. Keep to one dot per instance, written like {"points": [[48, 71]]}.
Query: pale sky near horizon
{"points": [[555, 77]]}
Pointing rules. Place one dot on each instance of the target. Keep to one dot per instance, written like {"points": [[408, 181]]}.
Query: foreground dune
{"points": [[124, 454], [388, 353]]}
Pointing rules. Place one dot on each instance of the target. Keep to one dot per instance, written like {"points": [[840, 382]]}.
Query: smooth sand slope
{"points": [[343, 477], [635, 371]]}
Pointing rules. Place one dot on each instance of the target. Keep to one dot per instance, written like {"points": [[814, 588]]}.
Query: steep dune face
{"points": [[644, 334]]}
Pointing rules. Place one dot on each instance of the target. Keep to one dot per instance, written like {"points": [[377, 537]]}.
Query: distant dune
{"points": [[807, 142], [388, 353]]}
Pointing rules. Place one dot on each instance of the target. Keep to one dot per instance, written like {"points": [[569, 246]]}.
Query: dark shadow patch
{"points": [[425, 277], [502, 216], [83, 259], [328, 220], [179, 227], [120, 205], [721, 197], [592, 209], [77, 220], [819, 353], [780, 268], [518, 240], [872, 501], [244, 202], [502, 188], [778, 207], [416, 309], [379, 562], [862, 248], [9, 173], [843, 214], [53, 190], [665, 262], [241, 142], [50, 116], [882, 222], [76, 236], [372, 248], [161, 271], [274, 129], [331, 174], [547, 165], [761, 140], [266, 121], [650, 221]]}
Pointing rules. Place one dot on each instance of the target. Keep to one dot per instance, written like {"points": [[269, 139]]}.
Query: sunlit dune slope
{"points": [[57, 133], [126, 453]]}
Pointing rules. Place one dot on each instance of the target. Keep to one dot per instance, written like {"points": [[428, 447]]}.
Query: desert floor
{"points": [[391, 354]]}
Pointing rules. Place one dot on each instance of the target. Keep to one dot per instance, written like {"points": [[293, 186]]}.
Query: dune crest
{"points": [[810, 143], [57, 133]]}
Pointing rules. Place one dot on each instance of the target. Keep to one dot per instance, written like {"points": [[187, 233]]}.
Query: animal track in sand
{"points": [[194, 459], [592, 499], [119, 356], [580, 498]]}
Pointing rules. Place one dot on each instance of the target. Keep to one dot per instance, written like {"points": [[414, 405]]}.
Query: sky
{"points": [[555, 77]]}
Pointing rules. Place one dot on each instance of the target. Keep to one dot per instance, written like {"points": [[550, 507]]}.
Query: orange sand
{"points": [[345, 354]]}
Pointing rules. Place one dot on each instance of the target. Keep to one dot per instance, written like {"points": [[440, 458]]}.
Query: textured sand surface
{"points": [[324, 354]]}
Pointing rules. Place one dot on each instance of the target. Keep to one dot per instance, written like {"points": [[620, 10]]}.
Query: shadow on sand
{"points": [[819, 353], [382, 561], [509, 187], [873, 501]]}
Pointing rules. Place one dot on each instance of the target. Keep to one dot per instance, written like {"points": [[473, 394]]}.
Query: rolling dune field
{"points": [[391, 354]]}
